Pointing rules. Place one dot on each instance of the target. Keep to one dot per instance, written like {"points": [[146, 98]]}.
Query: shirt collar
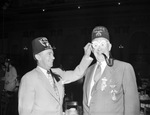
{"points": [[43, 70], [103, 63]]}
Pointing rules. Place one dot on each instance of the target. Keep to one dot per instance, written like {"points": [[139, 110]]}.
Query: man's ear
{"points": [[110, 46], [37, 57]]}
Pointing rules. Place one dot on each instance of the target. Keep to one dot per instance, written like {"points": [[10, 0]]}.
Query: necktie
{"points": [[50, 79], [97, 73], [52, 82]]}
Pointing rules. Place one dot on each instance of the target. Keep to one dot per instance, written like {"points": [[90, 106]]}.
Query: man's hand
{"points": [[87, 49]]}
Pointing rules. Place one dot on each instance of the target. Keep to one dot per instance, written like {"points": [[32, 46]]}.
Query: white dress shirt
{"points": [[48, 76]]}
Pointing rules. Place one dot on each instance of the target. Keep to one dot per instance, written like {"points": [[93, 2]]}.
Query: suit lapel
{"points": [[89, 79], [47, 85]]}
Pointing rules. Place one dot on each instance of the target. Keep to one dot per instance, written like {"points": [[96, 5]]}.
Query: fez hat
{"points": [[100, 31], [40, 44]]}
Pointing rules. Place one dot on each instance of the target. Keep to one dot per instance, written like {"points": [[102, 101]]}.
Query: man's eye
{"points": [[95, 45], [103, 44], [50, 53]]}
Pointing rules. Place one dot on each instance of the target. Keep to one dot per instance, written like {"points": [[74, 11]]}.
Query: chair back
{"points": [[147, 111], [71, 104], [2, 86]]}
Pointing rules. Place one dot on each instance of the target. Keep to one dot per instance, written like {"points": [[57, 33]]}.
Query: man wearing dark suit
{"points": [[110, 85], [41, 90]]}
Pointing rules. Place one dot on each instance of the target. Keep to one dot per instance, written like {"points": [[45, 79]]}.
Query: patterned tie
{"points": [[52, 82], [50, 79]]}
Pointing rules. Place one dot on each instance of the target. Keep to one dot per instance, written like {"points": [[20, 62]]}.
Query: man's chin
{"points": [[100, 58], [51, 65]]}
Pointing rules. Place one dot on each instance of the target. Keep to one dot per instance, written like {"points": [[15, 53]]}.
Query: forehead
{"points": [[100, 39], [47, 51]]}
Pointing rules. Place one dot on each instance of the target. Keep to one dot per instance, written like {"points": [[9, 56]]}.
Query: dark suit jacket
{"points": [[37, 96], [120, 95]]}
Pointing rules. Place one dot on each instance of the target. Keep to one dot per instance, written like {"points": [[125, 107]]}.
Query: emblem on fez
{"points": [[98, 31], [44, 42]]}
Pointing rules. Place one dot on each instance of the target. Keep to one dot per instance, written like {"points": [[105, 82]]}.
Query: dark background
{"points": [[68, 25]]}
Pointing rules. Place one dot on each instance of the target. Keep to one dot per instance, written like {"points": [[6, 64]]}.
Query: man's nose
{"points": [[99, 48], [53, 57]]}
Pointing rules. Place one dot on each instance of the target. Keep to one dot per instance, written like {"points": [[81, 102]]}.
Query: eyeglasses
{"points": [[99, 44]]}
